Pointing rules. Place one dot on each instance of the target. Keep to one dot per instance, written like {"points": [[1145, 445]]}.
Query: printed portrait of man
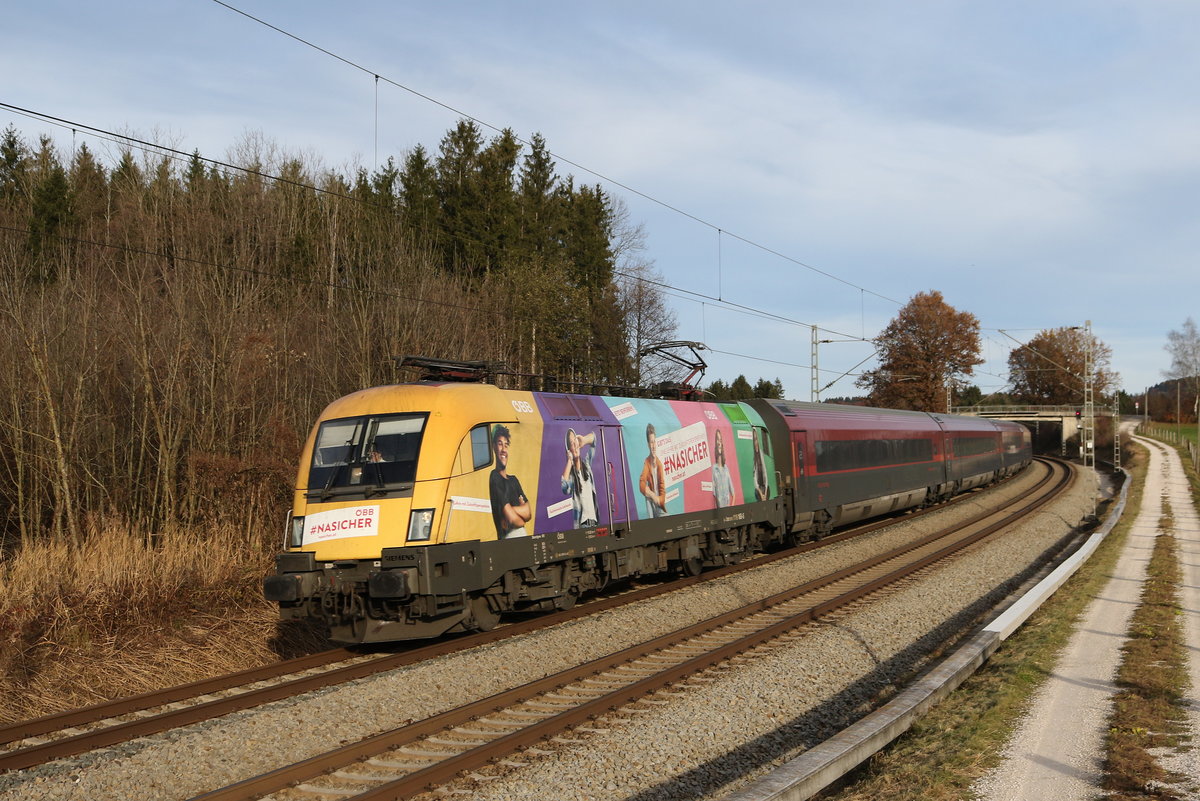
{"points": [[511, 510]]}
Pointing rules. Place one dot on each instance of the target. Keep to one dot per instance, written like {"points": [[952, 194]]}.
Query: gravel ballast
{"points": [[714, 735]]}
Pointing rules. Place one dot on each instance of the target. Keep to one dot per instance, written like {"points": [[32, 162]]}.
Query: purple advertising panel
{"points": [[604, 461], [577, 459]]}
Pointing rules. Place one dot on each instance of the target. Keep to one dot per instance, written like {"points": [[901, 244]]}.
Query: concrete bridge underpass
{"points": [[1068, 419]]}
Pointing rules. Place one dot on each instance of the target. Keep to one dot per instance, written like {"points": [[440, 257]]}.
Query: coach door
{"points": [[615, 477], [800, 469]]}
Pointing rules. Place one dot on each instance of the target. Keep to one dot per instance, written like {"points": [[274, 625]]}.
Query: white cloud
{"points": [[1036, 162]]}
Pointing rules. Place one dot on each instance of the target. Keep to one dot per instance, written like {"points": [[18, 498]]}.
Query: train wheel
{"points": [[691, 567], [482, 616], [566, 600]]}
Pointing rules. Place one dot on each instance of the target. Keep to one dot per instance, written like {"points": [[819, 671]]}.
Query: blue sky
{"points": [[1036, 162]]}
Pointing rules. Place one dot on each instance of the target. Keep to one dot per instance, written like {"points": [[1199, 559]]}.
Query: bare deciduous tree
{"points": [[1184, 347], [180, 324], [648, 319]]}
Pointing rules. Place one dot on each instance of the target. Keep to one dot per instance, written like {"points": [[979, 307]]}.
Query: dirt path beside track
{"points": [[1057, 751]]}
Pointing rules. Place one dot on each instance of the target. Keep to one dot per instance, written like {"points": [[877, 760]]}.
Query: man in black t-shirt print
{"points": [[510, 507]]}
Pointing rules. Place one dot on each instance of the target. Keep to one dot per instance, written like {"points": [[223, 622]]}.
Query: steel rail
{"points": [[420, 780], [17, 759], [136, 703], [29, 756]]}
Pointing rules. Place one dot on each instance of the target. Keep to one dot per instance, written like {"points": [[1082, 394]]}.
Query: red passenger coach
{"points": [[849, 463]]}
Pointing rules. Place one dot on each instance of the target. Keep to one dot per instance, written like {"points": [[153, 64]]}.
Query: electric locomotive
{"points": [[431, 507]]}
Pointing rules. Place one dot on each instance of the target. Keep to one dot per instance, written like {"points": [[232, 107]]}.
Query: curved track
{"points": [[44, 739], [412, 759]]}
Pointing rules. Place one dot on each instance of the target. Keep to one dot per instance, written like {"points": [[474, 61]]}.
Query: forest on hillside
{"points": [[174, 324]]}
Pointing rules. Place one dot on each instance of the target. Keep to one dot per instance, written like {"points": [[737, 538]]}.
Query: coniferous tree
{"points": [[385, 188], [718, 390], [768, 389], [125, 188], [970, 396], [89, 187], [740, 389], [298, 213], [497, 168], [50, 211], [609, 359], [164, 195], [589, 260], [589, 237], [194, 174], [14, 165], [419, 197], [200, 344], [540, 212], [459, 194]]}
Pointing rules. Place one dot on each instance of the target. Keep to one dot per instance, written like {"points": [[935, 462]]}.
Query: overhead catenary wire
{"points": [[595, 173], [685, 293], [179, 155], [129, 249], [377, 78], [167, 151], [700, 297], [183, 156]]}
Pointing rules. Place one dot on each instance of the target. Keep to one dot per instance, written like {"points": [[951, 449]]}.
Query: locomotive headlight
{"points": [[296, 532], [420, 525]]}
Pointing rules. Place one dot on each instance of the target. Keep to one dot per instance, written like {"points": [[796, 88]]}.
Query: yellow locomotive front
{"points": [[389, 510]]}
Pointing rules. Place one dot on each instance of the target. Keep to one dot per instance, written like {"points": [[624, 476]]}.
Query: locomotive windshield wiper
{"points": [[333, 474], [325, 491]]}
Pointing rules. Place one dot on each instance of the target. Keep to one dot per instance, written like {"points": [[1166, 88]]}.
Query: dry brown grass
{"points": [[115, 615]]}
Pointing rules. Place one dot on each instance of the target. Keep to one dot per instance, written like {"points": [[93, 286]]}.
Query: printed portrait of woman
{"points": [[722, 482], [760, 471], [578, 480]]}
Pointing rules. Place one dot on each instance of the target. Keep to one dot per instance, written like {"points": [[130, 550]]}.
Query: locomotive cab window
{"points": [[764, 440], [481, 447], [364, 454]]}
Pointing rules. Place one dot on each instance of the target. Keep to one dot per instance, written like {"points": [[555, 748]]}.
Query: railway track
{"points": [[37, 741], [429, 753]]}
